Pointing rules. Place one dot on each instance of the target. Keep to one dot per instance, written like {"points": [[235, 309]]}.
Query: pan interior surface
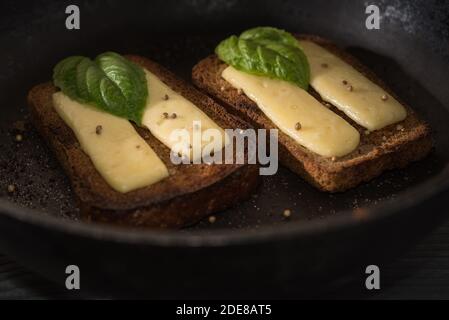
{"points": [[413, 63]]}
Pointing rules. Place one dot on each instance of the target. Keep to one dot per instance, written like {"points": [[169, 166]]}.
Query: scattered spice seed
{"points": [[212, 219], [174, 116], [19, 138], [287, 213], [324, 65], [297, 126], [165, 115], [98, 129], [11, 188], [166, 97], [138, 146], [384, 97], [350, 88], [345, 82]]}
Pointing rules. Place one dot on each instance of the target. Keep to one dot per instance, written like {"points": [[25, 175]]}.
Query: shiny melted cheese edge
{"points": [[186, 113], [119, 153], [364, 104], [322, 131]]}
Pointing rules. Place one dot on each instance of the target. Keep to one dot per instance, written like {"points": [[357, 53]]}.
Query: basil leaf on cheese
{"points": [[267, 51], [128, 77], [81, 83], [65, 75], [110, 82]]}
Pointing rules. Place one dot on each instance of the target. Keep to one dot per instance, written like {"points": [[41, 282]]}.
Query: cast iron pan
{"points": [[251, 250]]}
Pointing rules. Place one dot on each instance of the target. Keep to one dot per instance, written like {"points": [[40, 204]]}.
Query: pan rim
{"points": [[224, 237]]}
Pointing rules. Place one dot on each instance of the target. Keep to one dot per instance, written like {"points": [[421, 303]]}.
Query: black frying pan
{"points": [[251, 251]]}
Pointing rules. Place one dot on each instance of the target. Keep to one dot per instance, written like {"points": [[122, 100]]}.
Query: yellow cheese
{"points": [[119, 154], [350, 91], [167, 111], [321, 130]]}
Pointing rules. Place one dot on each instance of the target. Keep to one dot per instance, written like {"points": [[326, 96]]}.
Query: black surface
{"points": [[327, 236], [420, 273]]}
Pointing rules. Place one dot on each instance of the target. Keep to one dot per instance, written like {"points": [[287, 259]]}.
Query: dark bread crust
{"points": [[378, 151], [188, 194]]}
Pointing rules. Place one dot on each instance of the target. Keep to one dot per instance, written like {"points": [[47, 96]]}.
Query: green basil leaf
{"points": [[270, 34], [129, 78], [81, 82], [114, 99], [267, 51], [94, 75], [64, 75], [105, 94], [110, 83], [229, 48]]}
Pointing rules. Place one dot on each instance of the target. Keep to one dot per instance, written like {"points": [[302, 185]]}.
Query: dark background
{"points": [[421, 273], [27, 29]]}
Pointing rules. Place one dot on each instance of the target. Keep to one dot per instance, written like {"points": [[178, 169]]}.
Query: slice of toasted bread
{"points": [[187, 195], [391, 147]]}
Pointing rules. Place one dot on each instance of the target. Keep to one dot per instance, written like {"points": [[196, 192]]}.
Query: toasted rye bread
{"points": [[188, 194], [391, 147]]}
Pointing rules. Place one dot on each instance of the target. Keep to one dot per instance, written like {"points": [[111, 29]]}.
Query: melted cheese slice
{"points": [[322, 131], [119, 153], [364, 104], [163, 100]]}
